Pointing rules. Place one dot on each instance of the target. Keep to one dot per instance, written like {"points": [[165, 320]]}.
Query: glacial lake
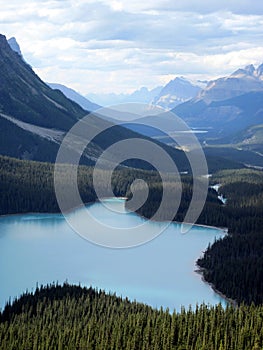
{"points": [[42, 248]]}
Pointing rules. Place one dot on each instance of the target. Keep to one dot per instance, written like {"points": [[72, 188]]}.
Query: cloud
{"points": [[121, 45], [197, 6]]}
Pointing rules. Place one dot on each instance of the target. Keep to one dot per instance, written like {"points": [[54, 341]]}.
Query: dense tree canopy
{"points": [[71, 317], [233, 264]]}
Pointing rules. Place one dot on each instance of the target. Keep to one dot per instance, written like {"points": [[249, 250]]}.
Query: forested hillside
{"points": [[71, 317], [27, 186], [234, 264]]}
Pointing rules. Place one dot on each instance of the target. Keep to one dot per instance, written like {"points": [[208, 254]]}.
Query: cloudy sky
{"points": [[122, 45]]}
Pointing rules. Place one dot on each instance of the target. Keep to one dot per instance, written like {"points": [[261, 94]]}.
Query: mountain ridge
{"points": [[14, 45], [227, 105], [142, 95], [34, 118], [241, 81], [175, 92], [75, 96]]}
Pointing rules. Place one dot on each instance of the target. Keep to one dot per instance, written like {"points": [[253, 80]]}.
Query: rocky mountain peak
{"points": [[14, 45], [250, 69], [2, 38], [3, 42], [240, 82], [246, 71], [259, 71], [175, 92]]}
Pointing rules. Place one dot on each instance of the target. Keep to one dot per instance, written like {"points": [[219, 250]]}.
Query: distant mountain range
{"points": [[75, 96], [227, 105], [242, 81], [34, 118], [143, 95], [175, 92], [227, 116], [172, 94]]}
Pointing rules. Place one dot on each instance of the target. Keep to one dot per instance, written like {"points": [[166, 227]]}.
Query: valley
{"points": [[112, 233]]}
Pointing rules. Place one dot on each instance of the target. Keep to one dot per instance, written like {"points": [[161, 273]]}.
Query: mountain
{"points": [[242, 81], [14, 45], [34, 118], [75, 96], [250, 138], [106, 99], [143, 95], [227, 105], [25, 97], [175, 92]]}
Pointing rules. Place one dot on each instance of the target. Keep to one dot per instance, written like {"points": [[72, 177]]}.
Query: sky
{"points": [[102, 46]]}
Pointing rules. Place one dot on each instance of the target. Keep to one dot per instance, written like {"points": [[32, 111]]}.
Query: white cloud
{"points": [[120, 45], [203, 6]]}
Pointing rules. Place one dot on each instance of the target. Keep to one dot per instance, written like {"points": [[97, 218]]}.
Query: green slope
{"points": [[70, 317]]}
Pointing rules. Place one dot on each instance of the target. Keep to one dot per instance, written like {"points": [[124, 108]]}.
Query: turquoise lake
{"points": [[42, 248]]}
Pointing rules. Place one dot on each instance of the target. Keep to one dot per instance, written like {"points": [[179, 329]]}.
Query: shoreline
{"points": [[200, 271], [224, 230], [58, 212]]}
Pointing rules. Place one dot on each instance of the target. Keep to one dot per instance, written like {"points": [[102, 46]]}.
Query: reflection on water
{"points": [[41, 248]]}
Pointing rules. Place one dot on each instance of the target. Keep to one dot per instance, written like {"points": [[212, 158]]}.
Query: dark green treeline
{"points": [[71, 317], [234, 264], [28, 186]]}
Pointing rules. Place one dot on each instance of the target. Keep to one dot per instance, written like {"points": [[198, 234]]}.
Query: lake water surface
{"points": [[42, 248]]}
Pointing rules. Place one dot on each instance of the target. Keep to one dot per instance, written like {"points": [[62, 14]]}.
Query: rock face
{"points": [[243, 80], [175, 92], [228, 104], [69, 93], [24, 96], [14, 45], [33, 117]]}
